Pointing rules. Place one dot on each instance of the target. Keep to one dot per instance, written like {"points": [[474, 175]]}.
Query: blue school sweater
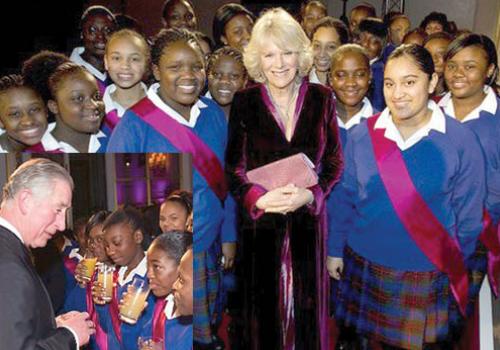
{"points": [[132, 134], [130, 332], [448, 172], [487, 129], [178, 333]]}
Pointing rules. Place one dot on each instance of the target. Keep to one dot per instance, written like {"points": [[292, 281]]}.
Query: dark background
{"points": [[27, 27]]}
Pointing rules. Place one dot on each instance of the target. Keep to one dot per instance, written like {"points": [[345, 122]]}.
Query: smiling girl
{"points": [[226, 75], [23, 115], [397, 161], [126, 60], [328, 34], [97, 24], [78, 109]]}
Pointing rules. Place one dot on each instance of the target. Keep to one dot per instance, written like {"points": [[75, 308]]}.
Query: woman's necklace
{"points": [[285, 110]]}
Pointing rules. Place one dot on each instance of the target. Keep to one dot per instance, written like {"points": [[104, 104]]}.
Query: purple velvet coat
{"points": [[255, 139]]}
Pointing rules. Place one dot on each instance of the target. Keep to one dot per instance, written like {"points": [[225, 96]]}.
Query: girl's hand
{"points": [[335, 266], [98, 293], [80, 273], [229, 253]]}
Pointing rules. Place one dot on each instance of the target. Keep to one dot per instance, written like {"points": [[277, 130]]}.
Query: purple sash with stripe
{"points": [[186, 141], [415, 215], [100, 335], [490, 237], [111, 119]]}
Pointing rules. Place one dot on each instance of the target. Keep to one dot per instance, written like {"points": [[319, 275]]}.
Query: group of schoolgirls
{"points": [[413, 222], [117, 240]]}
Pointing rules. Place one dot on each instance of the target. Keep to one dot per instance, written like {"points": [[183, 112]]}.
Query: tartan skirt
{"points": [[205, 288], [405, 309]]}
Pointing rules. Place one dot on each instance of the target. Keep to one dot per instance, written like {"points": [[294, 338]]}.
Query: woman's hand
{"points": [[229, 253], [285, 199], [335, 266]]}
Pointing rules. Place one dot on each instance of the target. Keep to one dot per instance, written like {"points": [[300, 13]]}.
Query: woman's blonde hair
{"points": [[279, 27]]}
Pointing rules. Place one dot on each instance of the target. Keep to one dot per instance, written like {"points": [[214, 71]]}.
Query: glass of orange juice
{"points": [[89, 262], [104, 283], [134, 300]]}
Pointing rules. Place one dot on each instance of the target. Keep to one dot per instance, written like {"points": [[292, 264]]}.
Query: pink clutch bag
{"points": [[296, 169]]}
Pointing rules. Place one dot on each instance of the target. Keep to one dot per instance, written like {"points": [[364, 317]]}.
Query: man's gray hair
{"points": [[37, 175]]}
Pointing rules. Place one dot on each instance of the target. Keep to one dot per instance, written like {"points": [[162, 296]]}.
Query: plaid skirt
{"points": [[400, 308], [205, 288]]}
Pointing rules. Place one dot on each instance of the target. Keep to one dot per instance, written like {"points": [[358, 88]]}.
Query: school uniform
{"points": [[484, 121], [313, 76], [175, 331], [121, 335], [366, 111], [114, 111], [102, 78], [390, 289], [97, 144], [211, 216], [376, 92]]}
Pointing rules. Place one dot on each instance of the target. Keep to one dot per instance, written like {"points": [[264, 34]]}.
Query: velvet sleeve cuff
{"points": [[319, 197], [251, 198]]}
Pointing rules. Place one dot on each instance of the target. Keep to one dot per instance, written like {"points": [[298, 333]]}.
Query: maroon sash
{"points": [[100, 336], [70, 264], [186, 141], [114, 309], [424, 228], [111, 119], [159, 320], [101, 85], [38, 148], [490, 237]]}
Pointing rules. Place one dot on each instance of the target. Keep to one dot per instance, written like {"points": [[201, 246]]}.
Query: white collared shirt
{"points": [[489, 105], [158, 102], [141, 269], [209, 95], [169, 310], [74, 253], [50, 143], [366, 111], [76, 56], [373, 60], [10, 227], [313, 76], [436, 122], [111, 104]]}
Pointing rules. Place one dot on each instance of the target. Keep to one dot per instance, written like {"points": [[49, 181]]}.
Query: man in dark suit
{"points": [[33, 208]]}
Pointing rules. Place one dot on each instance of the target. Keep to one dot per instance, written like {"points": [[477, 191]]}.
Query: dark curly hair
{"points": [[37, 70], [64, 70], [11, 81], [436, 17], [226, 51], [169, 36]]}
